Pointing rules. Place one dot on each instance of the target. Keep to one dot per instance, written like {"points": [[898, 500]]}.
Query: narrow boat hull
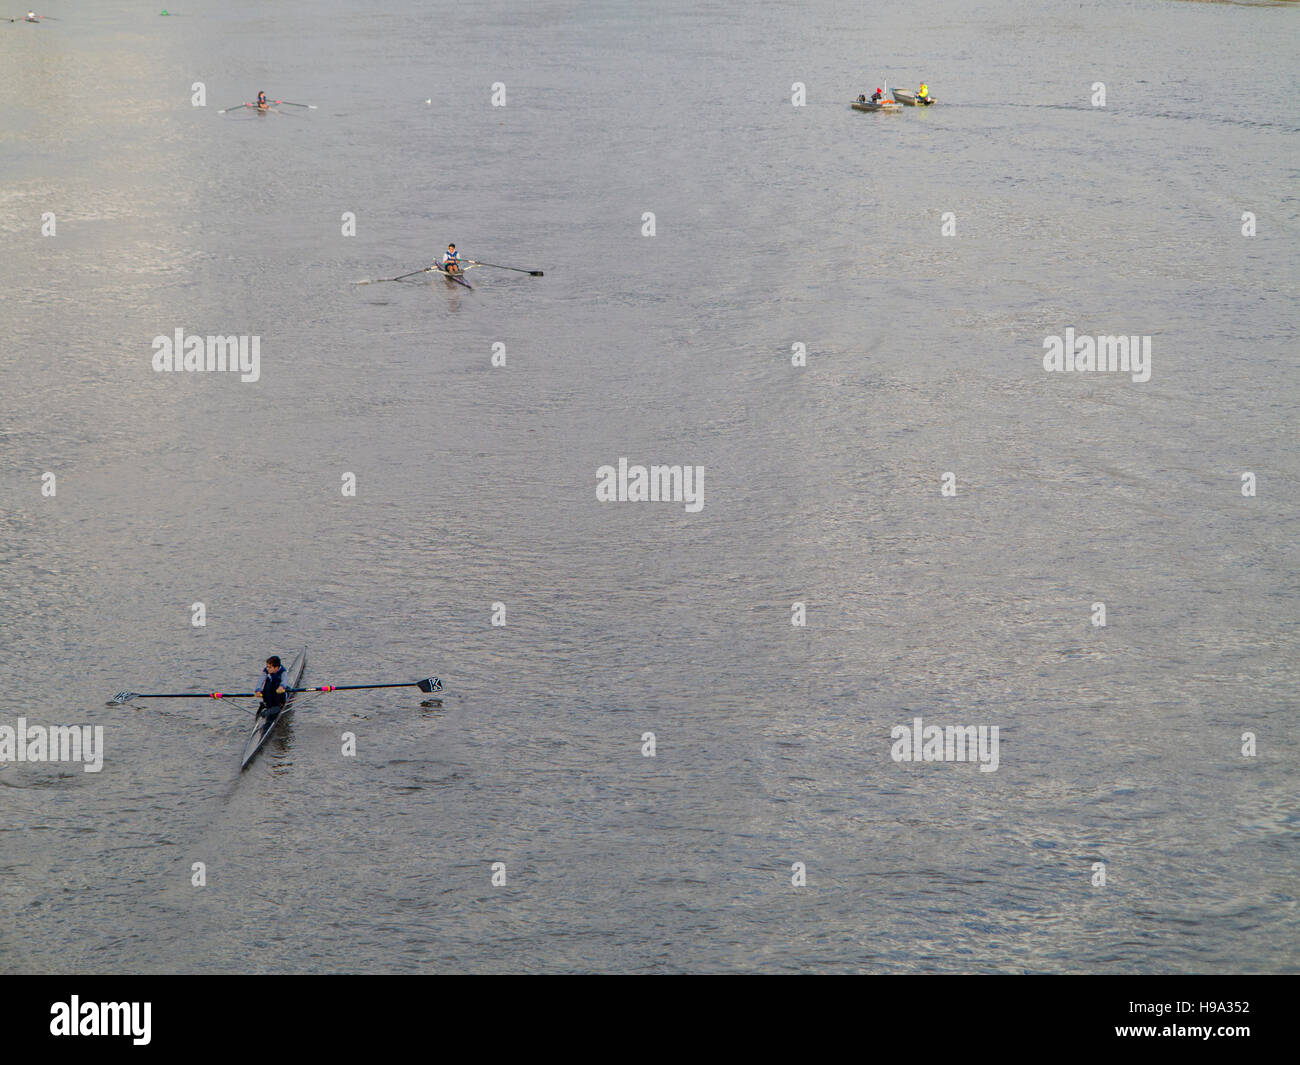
{"points": [[455, 278], [265, 726], [884, 105]]}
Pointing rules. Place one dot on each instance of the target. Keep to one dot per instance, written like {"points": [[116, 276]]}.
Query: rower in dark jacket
{"points": [[271, 687]]}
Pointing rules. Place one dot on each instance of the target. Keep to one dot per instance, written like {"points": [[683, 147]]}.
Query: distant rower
{"points": [[271, 687], [451, 260], [262, 105]]}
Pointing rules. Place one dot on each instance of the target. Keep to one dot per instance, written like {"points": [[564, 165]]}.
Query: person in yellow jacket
{"points": [[924, 92]]}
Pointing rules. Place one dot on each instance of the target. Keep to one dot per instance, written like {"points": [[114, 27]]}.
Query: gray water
{"points": [[776, 225]]}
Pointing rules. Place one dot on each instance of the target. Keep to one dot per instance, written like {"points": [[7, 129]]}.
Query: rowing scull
{"points": [[465, 264], [267, 107], [266, 719], [264, 725]]}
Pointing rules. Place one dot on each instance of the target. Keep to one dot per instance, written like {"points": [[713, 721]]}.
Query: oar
{"points": [[237, 107], [292, 104], [516, 269], [429, 684], [126, 697], [376, 280]]}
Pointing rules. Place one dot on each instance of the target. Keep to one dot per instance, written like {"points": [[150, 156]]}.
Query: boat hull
{"points": [[910, 99], [264, 727], [456, 278], [884, 105]]}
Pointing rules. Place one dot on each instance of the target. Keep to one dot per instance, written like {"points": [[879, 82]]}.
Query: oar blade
{"points": [[430, 684]]}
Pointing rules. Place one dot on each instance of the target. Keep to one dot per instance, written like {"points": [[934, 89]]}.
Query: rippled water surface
{"points": [[775, 226]]}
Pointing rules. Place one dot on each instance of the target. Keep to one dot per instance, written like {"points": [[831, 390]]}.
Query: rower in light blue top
{"points": [[451, 260]]}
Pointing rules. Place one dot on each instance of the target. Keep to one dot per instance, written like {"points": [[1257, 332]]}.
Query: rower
{"points": [[923, 93], [271, 688], [451, 260], [262, 105]]}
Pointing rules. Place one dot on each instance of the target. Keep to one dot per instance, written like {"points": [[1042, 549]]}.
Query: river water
{"points": [[775, 226]]}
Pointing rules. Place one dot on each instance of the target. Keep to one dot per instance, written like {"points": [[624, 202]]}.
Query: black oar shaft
{"points": [[377, 280], [356, 687], [516, 269], [194, 695], [428, 684]]}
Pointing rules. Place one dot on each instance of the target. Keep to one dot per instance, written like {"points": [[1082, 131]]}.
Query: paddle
{"points": [[516, 269], [429, 684], [376, 280], [292, 104], [126, 697], [236, 107]]}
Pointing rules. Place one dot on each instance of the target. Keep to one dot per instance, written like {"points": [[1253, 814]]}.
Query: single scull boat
{"points": [[263, 109], [265, 725], [437, 268], [266, 719]]}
